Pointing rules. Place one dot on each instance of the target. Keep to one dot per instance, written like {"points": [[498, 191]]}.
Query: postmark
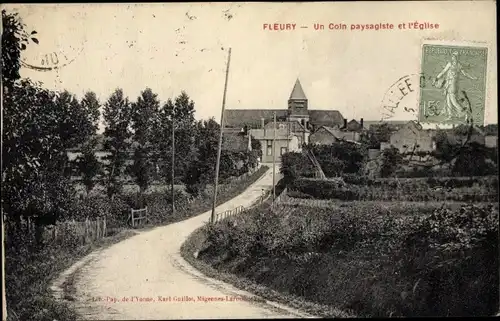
{"points": [[58, 44], [401, 98], [455, 92]]}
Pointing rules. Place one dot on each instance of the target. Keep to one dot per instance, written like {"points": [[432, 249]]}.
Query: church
{"points": [[293, 125]]}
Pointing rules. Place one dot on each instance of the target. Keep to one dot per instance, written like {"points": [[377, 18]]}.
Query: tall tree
{"points": [[181, 110], [88, 164], [145, 120], [117, 139], [201, 171]]}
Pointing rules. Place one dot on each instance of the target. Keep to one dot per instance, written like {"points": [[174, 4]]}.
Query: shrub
{"points": [[477, 190], [382, 259]]}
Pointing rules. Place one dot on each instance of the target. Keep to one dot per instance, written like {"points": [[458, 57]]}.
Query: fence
{"points": [[226, 214], [73, 231], [240, 209], [138, 216]]}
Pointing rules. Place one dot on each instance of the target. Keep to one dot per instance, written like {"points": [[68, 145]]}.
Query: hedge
{"points": [[397, 190]]}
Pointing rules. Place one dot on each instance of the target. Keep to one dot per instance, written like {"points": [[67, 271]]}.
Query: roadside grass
{"points": [[30, 273], [197, 240], [30, 268], [385, 260]]}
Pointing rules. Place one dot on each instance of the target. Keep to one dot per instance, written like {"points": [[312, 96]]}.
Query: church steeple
{"points": [[297, 103], [297, 91]]}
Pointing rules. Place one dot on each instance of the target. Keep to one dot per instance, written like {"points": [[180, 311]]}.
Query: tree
{"points": [[202, 169], [117, 139], [339, 157], [376, 135], [446, 150], [391, 160], [181, 110], [472, 160], [38, 125], [14, 40], [145, 119], [295, 165], [87, 163]]}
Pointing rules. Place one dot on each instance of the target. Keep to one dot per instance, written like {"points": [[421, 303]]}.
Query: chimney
{"points": [[361, 123], [345, 124]]}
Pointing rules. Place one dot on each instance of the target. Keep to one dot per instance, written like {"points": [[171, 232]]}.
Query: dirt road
{"points": [[144, 277]]}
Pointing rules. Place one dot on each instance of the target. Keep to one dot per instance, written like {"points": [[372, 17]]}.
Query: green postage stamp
{"points": [[453, 83]]}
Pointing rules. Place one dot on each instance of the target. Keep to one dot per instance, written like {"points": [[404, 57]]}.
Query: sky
{"points": [[174, 47]]}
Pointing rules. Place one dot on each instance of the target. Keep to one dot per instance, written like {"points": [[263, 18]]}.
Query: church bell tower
{"points": [[297, 104]]}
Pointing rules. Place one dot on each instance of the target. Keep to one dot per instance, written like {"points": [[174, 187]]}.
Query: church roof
{"points": [[297, 91], [326, 118], [250, 117]]}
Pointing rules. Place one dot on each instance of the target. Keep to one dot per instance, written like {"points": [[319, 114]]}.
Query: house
{"points": [[393, 125], [327, 135], [283, 142], [293, 124], [412, 138]]}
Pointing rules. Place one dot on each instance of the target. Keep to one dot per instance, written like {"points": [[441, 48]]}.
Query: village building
{"points": [[293, 125], [350, 132], [412, 138]]}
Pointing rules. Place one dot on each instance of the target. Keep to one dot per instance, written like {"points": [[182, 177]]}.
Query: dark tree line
{"points": [[40, 125]]}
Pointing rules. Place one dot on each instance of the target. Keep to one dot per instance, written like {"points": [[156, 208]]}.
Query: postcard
{"points": [[249, 160]]}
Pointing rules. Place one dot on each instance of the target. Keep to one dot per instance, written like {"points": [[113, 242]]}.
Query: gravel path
{"points": [[145, 277]]}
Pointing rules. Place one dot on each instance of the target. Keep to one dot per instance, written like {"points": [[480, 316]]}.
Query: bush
{"points": [[381, 259], [467, 190]]}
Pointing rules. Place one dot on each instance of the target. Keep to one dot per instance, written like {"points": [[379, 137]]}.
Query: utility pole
{"points": [[173, 160], [274, 158], [217, 165]]}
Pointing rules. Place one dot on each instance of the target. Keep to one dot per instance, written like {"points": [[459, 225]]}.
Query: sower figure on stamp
{"points": [[448, 80]]}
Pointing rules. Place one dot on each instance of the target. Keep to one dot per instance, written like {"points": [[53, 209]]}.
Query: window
{"points": [[269, 147]]}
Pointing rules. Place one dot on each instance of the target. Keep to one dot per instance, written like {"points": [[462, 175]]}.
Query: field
{"points": [[369, 258]]}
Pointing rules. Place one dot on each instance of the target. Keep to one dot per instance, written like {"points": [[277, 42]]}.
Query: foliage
{"points": [[339, 157], [372, 137], [445, 149], [88, 165], [388, 259], [295, 165], [117, 139], [14, 40], [181, 110], [391, 160], [144, 121], [472, 161], [256, 146], [481, 190], [201, 171]]}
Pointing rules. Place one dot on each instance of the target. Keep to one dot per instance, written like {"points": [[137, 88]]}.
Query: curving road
{"points": [[148, 266]]}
